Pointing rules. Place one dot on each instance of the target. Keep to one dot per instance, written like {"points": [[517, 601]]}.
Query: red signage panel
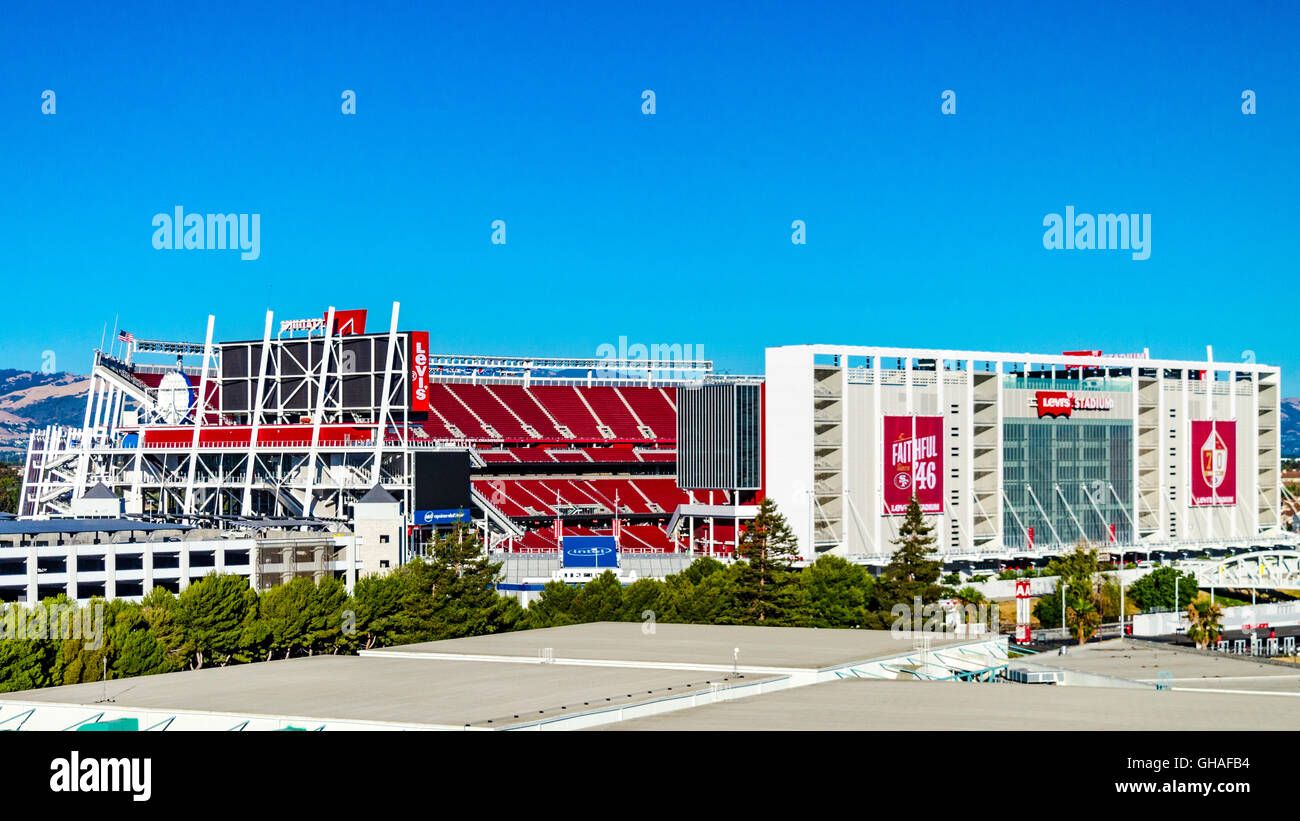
{"points": [[913, 461], [349, 322], [1054, 403], [418, 356], [1214, 463]]}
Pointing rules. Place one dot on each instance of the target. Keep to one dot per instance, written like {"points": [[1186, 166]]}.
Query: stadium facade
{"points": [[1020, 454]]}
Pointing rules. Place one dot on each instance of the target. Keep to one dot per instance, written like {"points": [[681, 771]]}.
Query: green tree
{"points": [[1077, 576], [600, 599], [25, 663], [375, 604], [554, 607], [466, 601], [210, 618], [83, 657], [640, 597], [912, 574], [703, 593], [1155, 590], [838, 591], [971, 600], [10, 488], [766, 589]]}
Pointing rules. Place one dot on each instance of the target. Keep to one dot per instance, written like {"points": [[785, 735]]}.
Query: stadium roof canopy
{"points": [[25, 527]]}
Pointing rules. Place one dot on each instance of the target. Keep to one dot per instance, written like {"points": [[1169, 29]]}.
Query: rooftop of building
{"points": [[862, 704], [695, 645]]}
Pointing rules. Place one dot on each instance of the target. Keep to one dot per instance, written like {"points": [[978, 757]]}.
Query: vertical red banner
{"points": [[1214, 463], [913, 461], [418, 356]]}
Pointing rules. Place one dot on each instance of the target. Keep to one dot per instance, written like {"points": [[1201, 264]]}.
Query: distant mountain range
{"points": [[31, 400]]}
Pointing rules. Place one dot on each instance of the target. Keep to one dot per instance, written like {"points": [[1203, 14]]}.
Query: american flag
{"points": [[125, 336]]}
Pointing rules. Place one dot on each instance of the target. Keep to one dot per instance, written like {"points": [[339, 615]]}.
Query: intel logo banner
{"points": [[441, 517], [590, 551]]}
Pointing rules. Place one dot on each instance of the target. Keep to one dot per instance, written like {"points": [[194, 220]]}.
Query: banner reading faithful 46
{"points": [[913, 463], [1214, 463]]}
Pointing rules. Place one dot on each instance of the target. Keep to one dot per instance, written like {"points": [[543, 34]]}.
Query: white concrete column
{"points": [[33, 577], [110, 572], [70, 567], [147, 556]]}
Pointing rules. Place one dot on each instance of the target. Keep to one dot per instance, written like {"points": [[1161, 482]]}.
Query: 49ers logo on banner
{"points": [[913, 459], [1214, 463]]}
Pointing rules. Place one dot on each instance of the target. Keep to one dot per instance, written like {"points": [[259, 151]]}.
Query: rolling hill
{"points": [[31, 400]]}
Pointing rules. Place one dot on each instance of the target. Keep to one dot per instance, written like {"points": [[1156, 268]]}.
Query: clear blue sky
{"points": [[922, 229]]}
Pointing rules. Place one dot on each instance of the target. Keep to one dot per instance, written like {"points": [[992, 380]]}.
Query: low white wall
{"points": [[1284, 614]]}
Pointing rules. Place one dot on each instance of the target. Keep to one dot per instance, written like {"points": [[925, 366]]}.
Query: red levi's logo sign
{"points": [[1054, 403], [419, 358], [913, 463], [1214, 463], [1062, 403]]}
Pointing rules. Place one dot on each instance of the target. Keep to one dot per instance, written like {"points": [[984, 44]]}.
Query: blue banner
{"points": [[440, 517], [590, 551]]}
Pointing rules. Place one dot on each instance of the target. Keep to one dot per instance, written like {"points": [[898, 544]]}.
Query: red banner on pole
{"points": [[1214, 463], [913, 462]]}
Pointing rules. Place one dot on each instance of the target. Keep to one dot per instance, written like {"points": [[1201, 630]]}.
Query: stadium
{"points": [[325, 447], [322, 427], [1023, 455]]}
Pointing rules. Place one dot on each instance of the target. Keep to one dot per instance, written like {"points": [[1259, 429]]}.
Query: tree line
{"points": [[450, 593]]}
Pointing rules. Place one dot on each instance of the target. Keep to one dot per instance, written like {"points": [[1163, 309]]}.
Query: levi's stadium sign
{"points": [[1063, 403]]}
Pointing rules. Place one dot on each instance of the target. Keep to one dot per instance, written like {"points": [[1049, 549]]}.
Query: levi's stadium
{"points": [[332, 447]]}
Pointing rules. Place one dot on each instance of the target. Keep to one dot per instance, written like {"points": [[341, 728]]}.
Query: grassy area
{"points": [[1221, 600]]}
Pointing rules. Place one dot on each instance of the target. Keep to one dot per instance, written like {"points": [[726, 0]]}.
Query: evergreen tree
{"points": [[703, 593], [766, 590], [554, 608], [452, 593], [211, 616], [838, 592], [911, 573], [600, 599], [463, 587], [375, 604], [639, 597]]}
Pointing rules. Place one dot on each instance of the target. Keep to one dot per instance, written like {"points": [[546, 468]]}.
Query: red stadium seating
{"points": [[453, 411], [657, 455], [519, 401], [564, 403], [486, 407], [653, 408], [537, 497], [610, 410], [622, 455]]}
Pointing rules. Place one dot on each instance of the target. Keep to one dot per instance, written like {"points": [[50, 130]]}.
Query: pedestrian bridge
{"points": [[1260, 570]]}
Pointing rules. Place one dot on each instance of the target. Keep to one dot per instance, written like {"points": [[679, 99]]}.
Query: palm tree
{"points": [[1206, 623]]}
